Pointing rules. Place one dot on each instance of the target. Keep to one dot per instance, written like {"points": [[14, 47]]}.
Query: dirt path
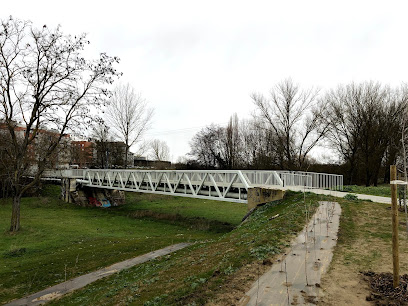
{"points": [[295, 278], [83, 280]]}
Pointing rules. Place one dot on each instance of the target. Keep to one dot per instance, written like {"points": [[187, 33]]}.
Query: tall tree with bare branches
{"points": [[295, 117], [219, 147], [102, 138], [159, 150], [365, 127], [45, 82], [129, 115]]}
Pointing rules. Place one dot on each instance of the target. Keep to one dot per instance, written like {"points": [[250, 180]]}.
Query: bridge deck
{"points": [[221, 185]]}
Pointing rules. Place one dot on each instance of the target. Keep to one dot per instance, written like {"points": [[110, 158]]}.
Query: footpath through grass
{"points": [[59, 241], [218, 270]]}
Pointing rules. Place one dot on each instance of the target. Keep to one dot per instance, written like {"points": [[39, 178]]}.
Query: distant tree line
{"points": [[361, 123]]}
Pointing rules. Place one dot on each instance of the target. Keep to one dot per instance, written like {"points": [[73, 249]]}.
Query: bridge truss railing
{"points": [[228, 185], [63, 173], [312, 180], [308, 180]]}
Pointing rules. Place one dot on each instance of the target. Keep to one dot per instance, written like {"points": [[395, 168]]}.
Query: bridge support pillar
{"points": [[68, 185], [260, 195]]}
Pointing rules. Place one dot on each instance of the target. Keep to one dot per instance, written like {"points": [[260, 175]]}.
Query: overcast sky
{"points": [[197, 62]]}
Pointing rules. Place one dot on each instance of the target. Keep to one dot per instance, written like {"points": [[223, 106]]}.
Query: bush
{"points": [[347, 188], [351, 197]]}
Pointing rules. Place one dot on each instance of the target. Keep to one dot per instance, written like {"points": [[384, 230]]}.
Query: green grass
{"points": [[380, 190], [60, 241], [365, 234], [198, 274], [228, 212], [363, 244]]}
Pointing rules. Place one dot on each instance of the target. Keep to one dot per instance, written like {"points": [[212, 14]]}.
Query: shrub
{"points": [[351, 197]]}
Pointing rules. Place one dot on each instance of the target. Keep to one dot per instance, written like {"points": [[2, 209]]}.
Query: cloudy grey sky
{"points": [[197, 62]]}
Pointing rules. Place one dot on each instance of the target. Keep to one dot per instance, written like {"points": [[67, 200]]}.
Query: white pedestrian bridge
{"points": [[221, 185]]}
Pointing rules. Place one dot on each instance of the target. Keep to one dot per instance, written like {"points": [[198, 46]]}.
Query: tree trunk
{"points": [[126, 154], [386, 173], [377, 170], [351, 173], [375, 177], [15, 215], [368, 177]]}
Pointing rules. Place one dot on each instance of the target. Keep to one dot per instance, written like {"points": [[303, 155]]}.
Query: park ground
{"points": [[364, 244], [382, 190], [59, 241]]}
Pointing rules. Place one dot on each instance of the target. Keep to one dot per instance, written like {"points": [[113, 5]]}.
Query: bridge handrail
{"points": [[248, 178], [280, 178], [321, 180], [230, 185], [218, 175], [61, 173]]}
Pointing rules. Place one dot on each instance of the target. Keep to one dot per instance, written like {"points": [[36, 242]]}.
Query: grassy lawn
{"points": [[381, 190], [227, 256], [218, 270], [364, 244], [227, 212], [60, 241]]}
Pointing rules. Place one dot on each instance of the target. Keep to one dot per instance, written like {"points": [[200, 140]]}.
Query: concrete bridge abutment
{"points": [[262, 195], [90, 196], [68, 185]]}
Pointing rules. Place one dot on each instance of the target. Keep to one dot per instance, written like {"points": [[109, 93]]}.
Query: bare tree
{"points": [[219, 147], [129, 115], [45, 82], [159, 149], [294, 116], [345, 127], [102, 137], [205, 147], [232, 143], [259, 145], [365, 122], [397, 121]]}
